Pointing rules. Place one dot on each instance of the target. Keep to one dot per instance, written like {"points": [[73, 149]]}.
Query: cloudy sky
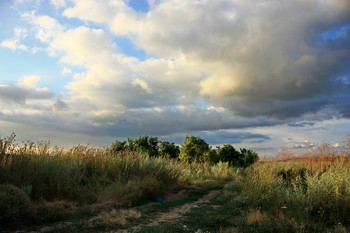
{"points": [[261, 74]]}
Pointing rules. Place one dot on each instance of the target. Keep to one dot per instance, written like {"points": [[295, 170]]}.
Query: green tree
{"points": [[193, 149], [119, 146], [212, 156], [227, 153], [249, 157], [168, 148], [144, 144]]}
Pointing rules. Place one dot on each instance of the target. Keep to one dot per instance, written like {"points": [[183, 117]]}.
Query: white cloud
{"points": [[100, 11], [46, 27], [20, 32], [29, 81], [86, 46], [143, 84], [13, 45], [59, 3]]}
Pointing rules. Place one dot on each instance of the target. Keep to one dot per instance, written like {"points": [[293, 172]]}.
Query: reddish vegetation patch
{"points": [[312, 163], [329, 159]]}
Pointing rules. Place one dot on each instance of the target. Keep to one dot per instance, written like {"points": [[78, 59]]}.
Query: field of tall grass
{"points": [[40, 184], [49, 183], [305, 194]]}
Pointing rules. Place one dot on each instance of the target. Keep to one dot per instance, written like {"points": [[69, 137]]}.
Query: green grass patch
{"points": [[208, 216]]}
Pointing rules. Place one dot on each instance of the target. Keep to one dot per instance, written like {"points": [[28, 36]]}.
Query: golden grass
{"points": [[255, 216], [116, 217]]}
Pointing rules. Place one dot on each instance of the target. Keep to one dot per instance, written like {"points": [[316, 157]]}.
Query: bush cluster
{"points": [[15, 205], [193, 149]]}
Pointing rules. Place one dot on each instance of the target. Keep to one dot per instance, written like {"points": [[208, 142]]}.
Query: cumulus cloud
{"points": [[46, 27], [255, 58], [83, 46]]}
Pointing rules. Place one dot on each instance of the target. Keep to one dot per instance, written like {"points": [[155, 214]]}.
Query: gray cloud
{"points": [[18, 94], [226, 137], [270, 59], [301, 124], [266, 55]]}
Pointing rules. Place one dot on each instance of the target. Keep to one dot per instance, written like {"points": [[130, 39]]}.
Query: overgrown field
{"points": [[40, 185], [292, 196]]}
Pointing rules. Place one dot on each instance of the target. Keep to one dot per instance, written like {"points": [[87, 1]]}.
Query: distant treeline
{"points": [[193, 149]]}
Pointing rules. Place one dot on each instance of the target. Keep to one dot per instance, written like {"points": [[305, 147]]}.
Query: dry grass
{"points": [[255, 216], [295, 194], [53, 210], [116, 217], [102, 206]]}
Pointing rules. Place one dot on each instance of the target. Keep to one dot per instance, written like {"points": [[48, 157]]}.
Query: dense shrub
{"points": [[168, 149], [227, 153], [249, 157], [15, 205], [147, 145], [193, 149]]}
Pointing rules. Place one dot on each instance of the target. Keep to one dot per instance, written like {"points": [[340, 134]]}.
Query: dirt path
{"points": [[177, 212], [169, 197], [167, 217]]}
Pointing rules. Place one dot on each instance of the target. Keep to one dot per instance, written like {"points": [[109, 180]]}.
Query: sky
{"points": [[259, 74]]}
